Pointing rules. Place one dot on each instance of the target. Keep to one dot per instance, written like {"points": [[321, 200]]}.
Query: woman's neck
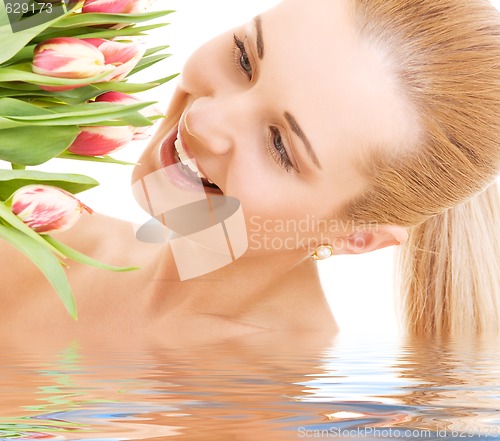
{"points": [[273, 292], [262, 291]]}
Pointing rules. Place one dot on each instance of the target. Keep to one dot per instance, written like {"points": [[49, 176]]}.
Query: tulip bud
{"points": [[101, 140], [46, 209], [124, 98], [67, 57], [117, 6], [123, 56]]}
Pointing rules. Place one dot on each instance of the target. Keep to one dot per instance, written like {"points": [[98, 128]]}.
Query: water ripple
{"points": [[247, 390]]}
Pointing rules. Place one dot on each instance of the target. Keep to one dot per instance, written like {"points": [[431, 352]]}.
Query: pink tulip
{"points": [[73, 58], [123, 56], [117, 97], [100, 140], [68, 57], [117, 6], [46, 209], [123, 98]]}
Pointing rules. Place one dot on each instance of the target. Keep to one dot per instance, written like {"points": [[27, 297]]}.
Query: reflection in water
{"points": [[455, 378], [269, 387]]}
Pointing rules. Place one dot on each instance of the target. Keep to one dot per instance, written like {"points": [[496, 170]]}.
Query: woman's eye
{"points": [[242, 59], [278, 151]]}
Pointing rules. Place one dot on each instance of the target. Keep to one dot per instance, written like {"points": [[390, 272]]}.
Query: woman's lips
{"points": [[173, 168]]}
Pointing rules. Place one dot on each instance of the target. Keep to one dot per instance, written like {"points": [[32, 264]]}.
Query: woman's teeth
{"points": [[185, 160]]}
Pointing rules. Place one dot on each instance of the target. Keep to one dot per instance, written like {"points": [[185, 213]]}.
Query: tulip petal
{"points": [[68, 57], [118, 53], [117, 97], [108, 6], [100, 141], [123, 98], [124, 56], [96, 42], [46, 209], [117, 6]]}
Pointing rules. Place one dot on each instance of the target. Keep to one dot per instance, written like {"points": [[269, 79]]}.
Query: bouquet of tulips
{"points": [[64, 83]]}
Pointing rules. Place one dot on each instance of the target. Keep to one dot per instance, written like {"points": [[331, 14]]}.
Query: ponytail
{"points": [[448, 272], [444, 56]]}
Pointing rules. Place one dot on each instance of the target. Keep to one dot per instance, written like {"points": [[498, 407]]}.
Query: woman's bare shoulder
{"points": [[26, 295], [94, 230], [94, 235]]}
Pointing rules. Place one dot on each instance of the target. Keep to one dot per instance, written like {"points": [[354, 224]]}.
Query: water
{"points": [[259, 388]]}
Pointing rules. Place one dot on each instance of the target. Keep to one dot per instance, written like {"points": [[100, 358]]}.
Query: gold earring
{"points": [[322, 252]]}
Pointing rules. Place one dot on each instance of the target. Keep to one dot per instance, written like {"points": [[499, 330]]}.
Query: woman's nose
{"points": [[214, 122]]}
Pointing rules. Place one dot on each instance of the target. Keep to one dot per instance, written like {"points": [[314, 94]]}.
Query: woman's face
{"points": [[275, 111]]}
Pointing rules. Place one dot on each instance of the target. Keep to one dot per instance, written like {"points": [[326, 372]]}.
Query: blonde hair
{"points": [[445, 54]]}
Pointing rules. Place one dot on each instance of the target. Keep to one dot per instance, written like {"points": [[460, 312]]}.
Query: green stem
{"points": [[18, 166]]}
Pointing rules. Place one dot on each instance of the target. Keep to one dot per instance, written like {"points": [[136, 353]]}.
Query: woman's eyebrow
{"points": [[292, 122], [298, 131], [260, 41]]}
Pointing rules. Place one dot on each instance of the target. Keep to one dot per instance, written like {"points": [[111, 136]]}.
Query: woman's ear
{"points": [[364, 241]]}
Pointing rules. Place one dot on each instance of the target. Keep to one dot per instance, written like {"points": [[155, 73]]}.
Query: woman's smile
{"points": [[181, 166]]}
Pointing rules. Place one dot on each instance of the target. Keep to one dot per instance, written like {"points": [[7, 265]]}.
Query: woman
{"points": [[379, 117]]}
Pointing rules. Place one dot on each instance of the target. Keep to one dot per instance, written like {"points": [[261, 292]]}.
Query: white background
{"points": [[359, 288]]}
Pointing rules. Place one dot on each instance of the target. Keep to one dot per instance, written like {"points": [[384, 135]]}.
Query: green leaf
{"points": [[25, 54], [13, 42], [97, 32], [12, 107], [140, 120], [74, 96], [97, 120], [107, 159], [26, 94], [135, 119], [154, 50], [76, 256], [81, 94], [30, 92], [20, 110], [16, 85], [32, 146], [11, 180], [17, 113], [119, 86], [147, 62], [45, 261], [90, 19], [9, 217], [22, 72]]}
